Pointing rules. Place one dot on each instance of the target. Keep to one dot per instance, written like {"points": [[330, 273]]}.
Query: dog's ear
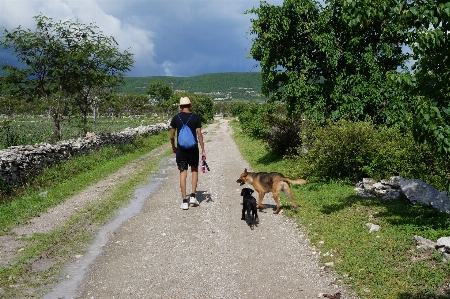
{"points": [[245, 171], [251, 191]]}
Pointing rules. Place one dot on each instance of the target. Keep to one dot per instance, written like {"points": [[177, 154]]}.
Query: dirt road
{"points": [[204, 252]]}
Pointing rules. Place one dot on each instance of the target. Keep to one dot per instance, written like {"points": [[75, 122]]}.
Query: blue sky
{"points": [[167, 37]]}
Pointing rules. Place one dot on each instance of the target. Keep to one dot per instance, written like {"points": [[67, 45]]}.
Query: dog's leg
{"points": [[260, 199], [250, 218], [243, 211], [277, 200], [287, 190]]}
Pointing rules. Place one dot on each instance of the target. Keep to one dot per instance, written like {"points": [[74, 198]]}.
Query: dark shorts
{"points": [[186, 158]]}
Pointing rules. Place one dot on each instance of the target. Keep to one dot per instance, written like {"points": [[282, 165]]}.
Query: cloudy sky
{"points": [[167, 37]]}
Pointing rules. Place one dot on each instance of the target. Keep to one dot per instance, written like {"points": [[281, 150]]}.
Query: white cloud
{"points": [[168, 68], [171, 37], [139, 40]]}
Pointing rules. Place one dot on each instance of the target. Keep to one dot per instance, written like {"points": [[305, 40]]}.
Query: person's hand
{"points": [[203, 155], [174, 150]]}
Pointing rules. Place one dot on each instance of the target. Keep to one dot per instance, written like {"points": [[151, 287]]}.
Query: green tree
{"points": [[68, 64], [331, 62], [159, 92], [430, 42], [201, 104]]}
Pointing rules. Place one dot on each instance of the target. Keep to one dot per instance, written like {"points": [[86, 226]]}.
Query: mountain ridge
{"points": [[224, 86]]}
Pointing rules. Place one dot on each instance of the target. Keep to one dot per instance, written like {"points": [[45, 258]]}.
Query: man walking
{"points": [[187, 157]]}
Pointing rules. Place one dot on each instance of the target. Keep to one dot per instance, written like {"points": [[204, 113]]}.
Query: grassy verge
{"points": [[381, 264], [56, 249]]}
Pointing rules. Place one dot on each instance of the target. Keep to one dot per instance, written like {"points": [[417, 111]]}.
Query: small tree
{"points": [[161, 95], [68, 65], [159, 92], [202, 104]]}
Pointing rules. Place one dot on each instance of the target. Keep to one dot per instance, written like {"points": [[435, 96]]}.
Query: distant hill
{"points": [[223, 86]]}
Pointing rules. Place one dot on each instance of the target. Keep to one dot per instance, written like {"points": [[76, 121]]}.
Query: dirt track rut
{"points": [[206, 251]]}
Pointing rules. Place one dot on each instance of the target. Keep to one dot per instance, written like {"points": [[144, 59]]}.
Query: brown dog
{"points": [[265, 182]]}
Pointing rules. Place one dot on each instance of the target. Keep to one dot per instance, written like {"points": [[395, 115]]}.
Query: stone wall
{"points": [[19, 163]]}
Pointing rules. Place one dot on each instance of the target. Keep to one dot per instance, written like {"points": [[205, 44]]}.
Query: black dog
{"points": [[249, 205]]}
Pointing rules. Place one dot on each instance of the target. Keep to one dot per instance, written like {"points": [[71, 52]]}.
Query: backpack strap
{"points": [[186, 121]]}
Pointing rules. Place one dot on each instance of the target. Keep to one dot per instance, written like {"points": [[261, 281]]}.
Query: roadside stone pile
{"points": [[417, 192], [19, 163], [442, 245]]}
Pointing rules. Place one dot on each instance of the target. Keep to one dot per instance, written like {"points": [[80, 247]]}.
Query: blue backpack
{"points": [[185, 138]]}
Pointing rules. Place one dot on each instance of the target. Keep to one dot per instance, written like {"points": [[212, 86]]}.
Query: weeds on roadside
{"points": [[18, 279], [381, 264], [68, 178]]}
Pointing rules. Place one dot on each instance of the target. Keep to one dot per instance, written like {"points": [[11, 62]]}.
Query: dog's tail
{"points": [[296, 182]]}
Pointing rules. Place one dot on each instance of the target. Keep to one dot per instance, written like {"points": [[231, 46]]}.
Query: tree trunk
{"points": [[57, 125]]}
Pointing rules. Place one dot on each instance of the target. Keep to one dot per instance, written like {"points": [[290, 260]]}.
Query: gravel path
{"points": [[206, 251]]}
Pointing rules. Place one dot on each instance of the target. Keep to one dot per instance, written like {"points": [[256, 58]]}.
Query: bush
{"points": [[350, 151], [269, 123], [201, 104], [283, 134], [9, 135], [253, 121]]}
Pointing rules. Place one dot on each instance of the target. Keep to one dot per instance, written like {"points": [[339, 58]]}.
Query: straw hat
{"points": [[184, 101]]}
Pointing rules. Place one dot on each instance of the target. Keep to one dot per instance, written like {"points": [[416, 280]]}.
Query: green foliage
{"points": [[237, 108], [351, 151], [251, 117], [8, 137], [32, 130], [284, 132], [375, 265], [431, 124], [269, 123], [159, 92], [329, 62], [430, 44], [201, 104], [222, 108], [343, 61], [228, 86], [68, 65]]}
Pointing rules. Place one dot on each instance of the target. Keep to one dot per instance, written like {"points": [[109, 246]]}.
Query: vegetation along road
{"points": [[161, 251]]}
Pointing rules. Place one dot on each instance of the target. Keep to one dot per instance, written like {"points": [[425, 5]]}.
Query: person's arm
{"points": [[172, 140], [200, 140]]}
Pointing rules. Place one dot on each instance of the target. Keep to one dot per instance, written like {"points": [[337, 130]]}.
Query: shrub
{"points": [[253, 121], [9, 136], [283, 134], [350, 151], [269, 123]]}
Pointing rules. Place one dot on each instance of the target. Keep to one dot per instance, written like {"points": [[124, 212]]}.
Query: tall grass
{"points": [[383, 264]]}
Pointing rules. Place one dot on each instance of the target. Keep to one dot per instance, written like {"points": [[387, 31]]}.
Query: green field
{"points": [[37, 129]]}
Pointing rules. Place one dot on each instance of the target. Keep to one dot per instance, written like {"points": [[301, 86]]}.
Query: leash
{"points": [[204, 164]]}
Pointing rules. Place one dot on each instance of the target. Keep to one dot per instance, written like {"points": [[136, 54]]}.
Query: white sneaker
{"points": [[184, 206], [193, 201]]}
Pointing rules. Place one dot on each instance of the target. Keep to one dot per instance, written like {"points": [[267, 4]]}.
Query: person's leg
{"points": [[182, 167], [194, 171], [183, 175], [192, 198]]}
